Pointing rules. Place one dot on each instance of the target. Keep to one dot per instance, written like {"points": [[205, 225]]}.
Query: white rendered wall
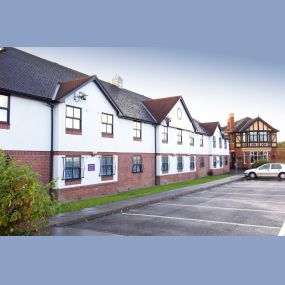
{"points": [[91, 139], [90, 177], [29, 126], [218, 150], [172, 160]]}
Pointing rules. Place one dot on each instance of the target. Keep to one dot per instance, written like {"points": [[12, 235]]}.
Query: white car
{"points": [[267, 170]]}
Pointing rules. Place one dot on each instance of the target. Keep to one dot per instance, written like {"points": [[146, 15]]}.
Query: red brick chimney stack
{"points": [[231, 122]]}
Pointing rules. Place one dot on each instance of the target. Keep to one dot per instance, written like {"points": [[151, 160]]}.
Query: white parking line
{"points": [[222, 208], [229, 199], [282, 231], [198, 220], [244, 194]]}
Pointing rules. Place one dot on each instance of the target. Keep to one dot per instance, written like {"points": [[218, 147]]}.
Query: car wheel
{"points": [[282, 176], [252, 175]]}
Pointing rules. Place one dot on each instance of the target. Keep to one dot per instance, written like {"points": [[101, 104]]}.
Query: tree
{"points": [[24, 203], [281, 144]]}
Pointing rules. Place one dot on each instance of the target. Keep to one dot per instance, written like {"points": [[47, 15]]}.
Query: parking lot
{"points": [[246, 208]]}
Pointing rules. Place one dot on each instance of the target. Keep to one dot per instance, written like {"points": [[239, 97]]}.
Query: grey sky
{"points": [[211, 84]]}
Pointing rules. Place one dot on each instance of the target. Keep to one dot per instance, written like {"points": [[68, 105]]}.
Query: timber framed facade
{"points": [[251, 140]]}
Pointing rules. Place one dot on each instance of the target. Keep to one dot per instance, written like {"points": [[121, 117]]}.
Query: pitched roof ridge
{"points": [[46, 60], [128, 90]]}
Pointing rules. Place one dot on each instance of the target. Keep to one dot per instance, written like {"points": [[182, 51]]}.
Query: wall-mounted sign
{"points": [[91, 167]]}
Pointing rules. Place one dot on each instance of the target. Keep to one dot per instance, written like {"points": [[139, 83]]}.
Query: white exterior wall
{"points": [[218, 150], [90, 177], [29, 126], [91, 139], [172, 160]]}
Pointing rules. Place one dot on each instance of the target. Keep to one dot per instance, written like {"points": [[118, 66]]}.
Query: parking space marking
{"points": [[201, 221], [246, 194], [282, 231], [229, 199], [222, 208]]}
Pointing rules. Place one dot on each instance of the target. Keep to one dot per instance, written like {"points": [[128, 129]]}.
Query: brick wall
{"points": [[127, 179], [89, 191], [172, 178], [39, 161]]}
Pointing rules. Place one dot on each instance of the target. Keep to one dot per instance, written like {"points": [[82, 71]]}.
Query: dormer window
{"points": [[107, 125], [4, 109], [137, 130], [201, 140], [179, 136], [214, 142], [220, 142], [73, 118], [191, 135]]}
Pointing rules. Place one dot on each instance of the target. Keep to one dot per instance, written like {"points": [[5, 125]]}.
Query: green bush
{"points": [[24, 203], [259, 163]]}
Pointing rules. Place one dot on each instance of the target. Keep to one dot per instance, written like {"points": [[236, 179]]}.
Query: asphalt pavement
{"points": [[241, 208]]}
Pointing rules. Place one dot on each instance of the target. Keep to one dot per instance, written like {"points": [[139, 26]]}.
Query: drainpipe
{"points": [[155, 180], [51, 145]]}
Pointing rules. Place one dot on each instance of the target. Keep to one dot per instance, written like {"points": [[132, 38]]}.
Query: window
{"points": [[137, 164], [220, 143], [107, 166], [192, 163], [72, 168], [264, 167], [226, 160], [179, 162], [201, 140], [263, 137], [137, 130], [226, 144], [179, 136], [4, 108], [164, 134], [179, 114], [191, 135], [164, 163], [214, 161], [221, 161], [276, 166], [73, 118], [253, 136], [107, 123], [258, 155], [214, 142], [202, 162]]}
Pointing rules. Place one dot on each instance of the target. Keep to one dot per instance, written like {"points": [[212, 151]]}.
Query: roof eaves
{"points": [[108, 96]]}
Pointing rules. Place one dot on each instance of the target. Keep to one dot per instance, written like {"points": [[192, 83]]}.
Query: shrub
{"points": [[210, 172], [24, 203], [259, 163]]}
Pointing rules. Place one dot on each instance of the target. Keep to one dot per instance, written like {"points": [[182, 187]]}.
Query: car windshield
{"points": [[265, 166]]}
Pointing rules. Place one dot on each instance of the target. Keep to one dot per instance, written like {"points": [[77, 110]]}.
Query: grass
{"points": [[78, 205]]}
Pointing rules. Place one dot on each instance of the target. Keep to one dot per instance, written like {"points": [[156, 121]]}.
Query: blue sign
{"points": [[91, 167]]}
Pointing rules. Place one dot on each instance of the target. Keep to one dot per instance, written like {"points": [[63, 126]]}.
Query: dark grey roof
{"points": [[130, 103], [200, 129], [27, 74], [31, 75], [242, 124]]}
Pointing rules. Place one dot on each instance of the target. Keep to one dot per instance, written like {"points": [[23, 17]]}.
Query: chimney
{"points": [[231, 122], [118, 81]]}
